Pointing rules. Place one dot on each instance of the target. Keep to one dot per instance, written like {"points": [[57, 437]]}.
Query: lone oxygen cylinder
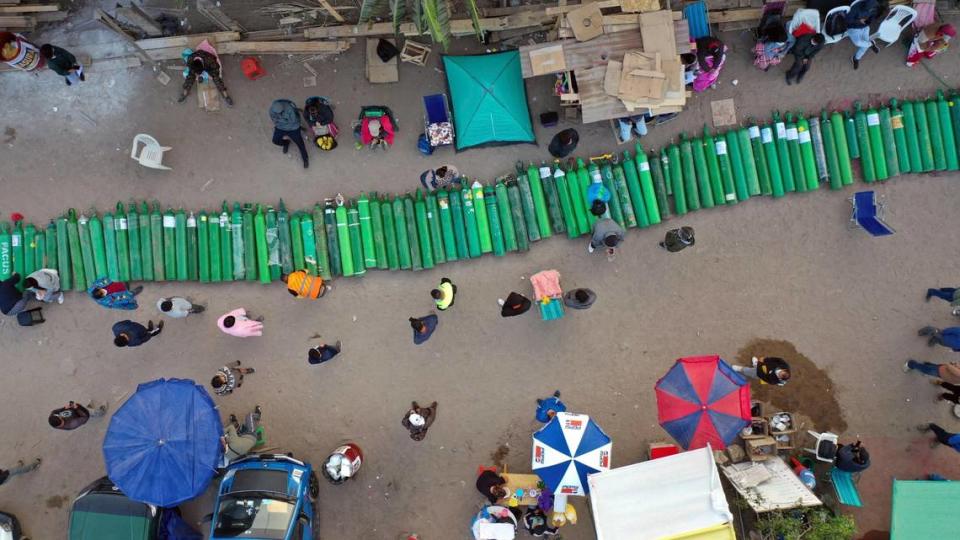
{"points": [[343, 463]]}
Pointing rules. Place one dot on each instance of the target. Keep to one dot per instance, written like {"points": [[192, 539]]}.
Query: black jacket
{"points": [[805, 49], [62, 61], [9, 294]]}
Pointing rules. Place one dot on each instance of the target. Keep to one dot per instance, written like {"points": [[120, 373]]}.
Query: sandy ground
{"points": [[786, 270]]}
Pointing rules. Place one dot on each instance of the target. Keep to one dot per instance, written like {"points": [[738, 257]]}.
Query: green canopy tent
{"points": [[924, 509], [489, 99]]}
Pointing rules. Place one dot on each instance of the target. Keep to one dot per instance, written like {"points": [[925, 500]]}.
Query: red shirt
{"points": [[115, 287]]}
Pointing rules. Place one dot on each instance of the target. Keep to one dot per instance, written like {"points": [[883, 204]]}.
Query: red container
{"points": [[251, 68]]}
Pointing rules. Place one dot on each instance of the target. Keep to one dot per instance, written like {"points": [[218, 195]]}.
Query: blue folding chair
{"points": [[868, 214]]}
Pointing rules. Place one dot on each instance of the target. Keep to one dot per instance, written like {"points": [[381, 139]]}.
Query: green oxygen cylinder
{"points": [[613, 205], [379, 237], [109, 233], [180, 245], [659, 184], [539, 200], [506, 217], [899, 137], [446, 225], [436, 235], [650, 201], [238, 239], [623, 193], [688, 175], [203, 247], [470, 221], [773, 161], [480, 211], [273, 240], [331, 231], [807, 154], [16, 243], [796, 157], [296, 239], [416, 259], [133, 236], [702, 173], [850, 131], [97, 244], [526, 201], [726, 169], [819, 150], [552, 197], [6, 254], [924, 141], [954, 107], [226, 243], [366, 232], [260, 239], [578, 202], [157, 225], [250, 245], [875, 137], [40, 256], [674, 167], [634, 189], [356, 240], [423, 230], [566, 205], [830, 151], [889, 144], [213, 241], [516, 210], [122, 230], [283, 230], [713, 168], [459, 225], [936, 137], [63, 254], [736, 166], [749, 162], [583, 178], [86, 250], [146, 245], [76, 252], [783, 153], [389, 234], [863, 142], [910, 133], [838, 125], [493, 218], [319, 236], [30, 251], [343, 236], [946, 132], [50, 244], [760, 160]]}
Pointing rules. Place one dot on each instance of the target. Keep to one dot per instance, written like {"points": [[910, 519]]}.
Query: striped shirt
{"points": [[227, 387]]}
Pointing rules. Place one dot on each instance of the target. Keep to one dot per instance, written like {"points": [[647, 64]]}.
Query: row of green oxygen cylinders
{"points": [[340, 237]]}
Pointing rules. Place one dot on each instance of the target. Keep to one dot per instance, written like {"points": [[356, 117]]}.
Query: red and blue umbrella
{"points": [[567, 449], [701, 401]]}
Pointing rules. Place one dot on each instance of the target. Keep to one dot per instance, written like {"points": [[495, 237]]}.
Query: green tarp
{"points": [[924, 509], [489, 99]]}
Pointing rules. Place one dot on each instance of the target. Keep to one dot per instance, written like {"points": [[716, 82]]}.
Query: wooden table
{"points": [[517, 481]]}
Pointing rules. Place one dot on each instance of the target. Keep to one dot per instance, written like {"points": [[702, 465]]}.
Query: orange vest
{"points": [[303, 285]]}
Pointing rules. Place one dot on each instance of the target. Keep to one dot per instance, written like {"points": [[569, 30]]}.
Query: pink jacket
{"points": [[243, 327]]}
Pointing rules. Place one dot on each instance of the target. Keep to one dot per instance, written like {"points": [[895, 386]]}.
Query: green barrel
{"points": [[946, 132], [389, 234], [459, 227], [213, 242], [180, 245], [506, 219], [356, 241], [773, 161], [331, 231], [722, 153], [636, 192], [577, 201], [379, 239], [63, 255], [529, 212], [539, 200], [516, 211], [796, 157], [936, 136], [50, 246], [97, 243], [554, 212], [623, 193], [889, 144], [911, 134], [343, 238], [583, 178], [713, 168], [423, 230], [86, 250], [655, 163], [366, 232], [483, 224], [250, 243], [133, 236], [493, 218], [689, 175], [673, 169], [748, 147], [193, 268], [470, 221], [830, 151], [446, 225], [566, 203], [203, 246], [783, 153], [109, 233], [286, 246], [76, 252], [850, 132], [273, 240], [875, 137], [838, 125], [296, 241], [863, 142], [309, 239], [260, 240], [319, 242], [807, 154], [122, 230], [416, 258], [736, 166], [899, 137]]}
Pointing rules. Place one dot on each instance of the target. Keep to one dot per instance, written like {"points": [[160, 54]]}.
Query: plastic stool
{"points": [[251, 68]]}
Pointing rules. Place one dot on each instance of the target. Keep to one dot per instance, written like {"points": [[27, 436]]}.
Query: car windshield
{"points": [[254, 516]]}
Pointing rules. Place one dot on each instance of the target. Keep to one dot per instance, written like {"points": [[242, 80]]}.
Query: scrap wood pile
{"points": [[17, 17]]}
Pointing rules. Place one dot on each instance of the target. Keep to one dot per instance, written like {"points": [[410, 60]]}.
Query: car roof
{"points": [[273, 480]]}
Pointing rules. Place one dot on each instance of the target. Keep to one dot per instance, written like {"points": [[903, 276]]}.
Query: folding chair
{"points": [[810, 17], [835, 20], [868, 214], [893, 24], [151, 155]]}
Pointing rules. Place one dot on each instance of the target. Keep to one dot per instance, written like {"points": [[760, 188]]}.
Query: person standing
{"points": [[949, 372], [418, 420], [444, 294], [302, 285], [229, 378], [323, 352], [6, 474], [947, 337], [61, 62], [515, 304], [767, 370], [579, 298], [198, 63], [237, 324], [12, 301], [74, 415], [286, 128], [858, 28], [45, 284], [944, 437], [564, 143], [806, 47], [607, 233], [177, 307], [678, 239], [114, 294], [130, 334], [423, 328], [950, 294], [548, 407]]}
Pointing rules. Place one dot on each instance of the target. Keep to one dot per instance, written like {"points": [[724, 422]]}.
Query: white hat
{"points": [[374, 127], [416, 420]]}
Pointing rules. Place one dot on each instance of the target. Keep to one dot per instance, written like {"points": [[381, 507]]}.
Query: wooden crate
{"points": [[761, 449], [764, 429]]}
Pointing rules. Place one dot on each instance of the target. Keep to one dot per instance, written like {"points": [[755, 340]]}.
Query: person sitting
{"points": [[711, 55], [45, 284], [286, 128], [114, 294], [806, 47], [564, 143], [929, 42], [628, 125], [772, 43], [302, 285], [606, 233], [490, 485], [200, 63], [443, 176], [579, 298], [852, 458], [767, 370], [318, 114], [238, 440]]}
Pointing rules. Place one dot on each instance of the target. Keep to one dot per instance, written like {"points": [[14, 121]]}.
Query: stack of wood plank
{"points": [[17, 17]]}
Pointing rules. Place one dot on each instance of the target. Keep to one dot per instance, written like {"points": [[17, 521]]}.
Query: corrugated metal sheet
{"points": [[697, 19]]}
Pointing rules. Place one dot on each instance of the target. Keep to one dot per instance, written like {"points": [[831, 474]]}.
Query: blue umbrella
{"points": [[163, 444], [567, 449]]}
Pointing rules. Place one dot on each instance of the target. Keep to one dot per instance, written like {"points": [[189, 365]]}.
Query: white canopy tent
{"points": [[672, 497]]}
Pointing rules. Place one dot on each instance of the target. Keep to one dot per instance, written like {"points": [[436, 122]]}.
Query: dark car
{"points": [[103, 512]]}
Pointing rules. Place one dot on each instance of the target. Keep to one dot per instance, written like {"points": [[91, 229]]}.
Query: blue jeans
{"points": [[927, 368], [944, 293]]}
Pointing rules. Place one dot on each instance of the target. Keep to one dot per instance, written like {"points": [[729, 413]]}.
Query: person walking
{"points": [[114, 294], [806, 47], [548, 407], [607, 233], [199, 63], [61, 62], [678, 239], [944, 437], [423, 328], [6, 474], [177, 307], [239, 439], [229, 378], [74, 415], [949, 294], [515, 304], [286, 127], [12, 301], [947, 337], [579, 298], [237, 324], [858, 28], [949, 372], [45, 285], [323, 352], [301, 284], [563, 143], [767, 370], [130, 334], [418, 420], [444, 294]]}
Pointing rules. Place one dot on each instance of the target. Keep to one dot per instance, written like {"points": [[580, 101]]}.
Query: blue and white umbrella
{"points": [[567, 449]]}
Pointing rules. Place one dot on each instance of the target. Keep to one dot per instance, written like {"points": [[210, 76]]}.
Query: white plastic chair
{"points": [[896, 20], [151, 155], [841, 12], [825, 448], [810, 17]]}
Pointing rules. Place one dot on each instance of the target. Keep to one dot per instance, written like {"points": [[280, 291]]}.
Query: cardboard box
{"points": [[656, 28], [548, 60], [611, 78], [761, 449], [587, 22], [761, 428], [639, 6], [788, 444], [640, 78]]}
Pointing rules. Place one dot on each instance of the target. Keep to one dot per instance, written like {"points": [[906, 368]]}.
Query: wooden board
{"points": [[283, 47], [458, 27], [29, 8], [724, 112], [17, 21], [595, 104], [595, 52], [187, 41], [560, 10], [140, 19]]}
